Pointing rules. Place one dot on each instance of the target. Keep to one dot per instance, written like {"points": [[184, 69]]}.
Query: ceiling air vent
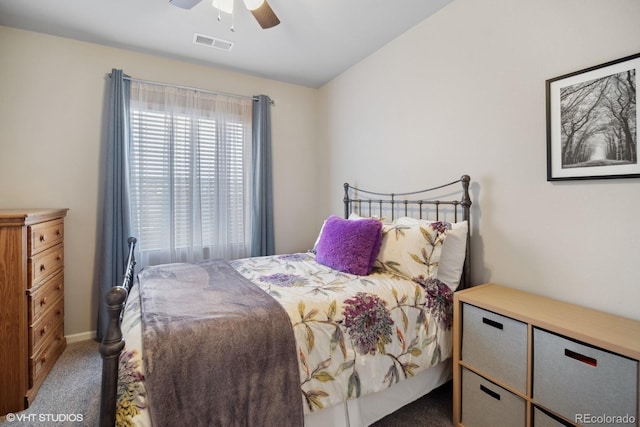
{"points": [[208, 41]]}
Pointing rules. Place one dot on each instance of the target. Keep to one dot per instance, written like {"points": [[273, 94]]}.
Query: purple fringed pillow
{"points": [[349, 246]]}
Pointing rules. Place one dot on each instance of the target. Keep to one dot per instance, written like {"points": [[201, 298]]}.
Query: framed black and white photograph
{"points": [[592, 119]]}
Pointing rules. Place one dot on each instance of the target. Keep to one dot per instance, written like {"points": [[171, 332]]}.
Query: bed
{"points": [[341, 335]]}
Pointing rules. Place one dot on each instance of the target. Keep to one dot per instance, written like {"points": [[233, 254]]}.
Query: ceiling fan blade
{"points": [[265, 16], [184, 4]]}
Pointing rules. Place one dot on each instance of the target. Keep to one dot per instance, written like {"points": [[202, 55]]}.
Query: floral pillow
{"points": [[414, 248], [411, 248]]}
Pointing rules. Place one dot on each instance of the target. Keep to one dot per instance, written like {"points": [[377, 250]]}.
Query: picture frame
{"points": [[592, 122]]}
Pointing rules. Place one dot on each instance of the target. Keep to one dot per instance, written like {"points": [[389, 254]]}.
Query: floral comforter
{"points": [[355, 335]]}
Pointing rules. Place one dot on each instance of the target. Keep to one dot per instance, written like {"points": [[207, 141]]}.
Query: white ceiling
{"points": [[315, 41]]}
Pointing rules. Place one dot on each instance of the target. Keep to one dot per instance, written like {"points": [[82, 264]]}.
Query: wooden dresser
{"points": [[32, 302]]}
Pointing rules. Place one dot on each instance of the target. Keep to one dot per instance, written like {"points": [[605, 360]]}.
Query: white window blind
{"points": [[190, 160]]}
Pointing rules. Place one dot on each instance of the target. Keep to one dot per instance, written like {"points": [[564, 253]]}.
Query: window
{"points": [[190, 161]]}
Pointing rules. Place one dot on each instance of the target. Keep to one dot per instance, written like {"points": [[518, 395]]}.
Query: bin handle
{"points": [[493, 323], [580, 357]]}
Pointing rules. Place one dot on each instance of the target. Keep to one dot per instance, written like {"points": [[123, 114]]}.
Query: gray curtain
{"points": [[262, 242], [115, 202]]}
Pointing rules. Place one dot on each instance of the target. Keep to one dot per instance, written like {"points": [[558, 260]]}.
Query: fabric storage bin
{"points": [[495, 345], [578, 381], [542, 419], [485, 404]]}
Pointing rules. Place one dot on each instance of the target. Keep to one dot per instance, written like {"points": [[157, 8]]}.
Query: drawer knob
{"points": [[580, 357], [43, 301], [42, 238], [43, 330], [43, 360], [42, 267]]}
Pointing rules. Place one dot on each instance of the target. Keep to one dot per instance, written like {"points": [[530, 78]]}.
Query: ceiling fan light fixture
{"points": [[253, 4], [265, 16], [184, 4], [225, 6]]}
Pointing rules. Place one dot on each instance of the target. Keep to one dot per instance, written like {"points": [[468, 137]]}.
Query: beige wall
{"points": [[52, 96], [464, 93]]}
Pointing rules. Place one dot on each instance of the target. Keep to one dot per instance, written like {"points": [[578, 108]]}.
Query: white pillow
{"points": [[354, 216], [315, 245], [453, 254]]}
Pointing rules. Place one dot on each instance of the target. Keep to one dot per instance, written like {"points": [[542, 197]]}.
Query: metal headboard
{"points": [[422, 204]]}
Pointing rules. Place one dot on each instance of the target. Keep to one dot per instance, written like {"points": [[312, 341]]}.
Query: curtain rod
{"points": [[131, 79]]}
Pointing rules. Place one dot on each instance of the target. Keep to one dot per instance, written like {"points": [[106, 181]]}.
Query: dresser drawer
{"points": [[45, 235], [485, 404], [43, 297], [495, 345], [45, 264], [39, 332], [575, 380], [43, 360]]}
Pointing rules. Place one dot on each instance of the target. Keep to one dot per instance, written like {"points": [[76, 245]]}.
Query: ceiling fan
{"points": [[260, 9]]}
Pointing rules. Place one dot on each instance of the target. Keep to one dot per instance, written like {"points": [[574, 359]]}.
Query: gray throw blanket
{"points": [[218, 350]]}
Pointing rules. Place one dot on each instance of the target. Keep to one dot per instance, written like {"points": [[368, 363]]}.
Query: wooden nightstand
{"points": [[522, 360]]}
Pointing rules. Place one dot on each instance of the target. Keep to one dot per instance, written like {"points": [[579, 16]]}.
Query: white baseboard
{"points": [[84, 336]]}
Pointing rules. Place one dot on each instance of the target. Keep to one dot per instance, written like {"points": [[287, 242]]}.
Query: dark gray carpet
{"points": [[432, 410], [72, 392]]}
